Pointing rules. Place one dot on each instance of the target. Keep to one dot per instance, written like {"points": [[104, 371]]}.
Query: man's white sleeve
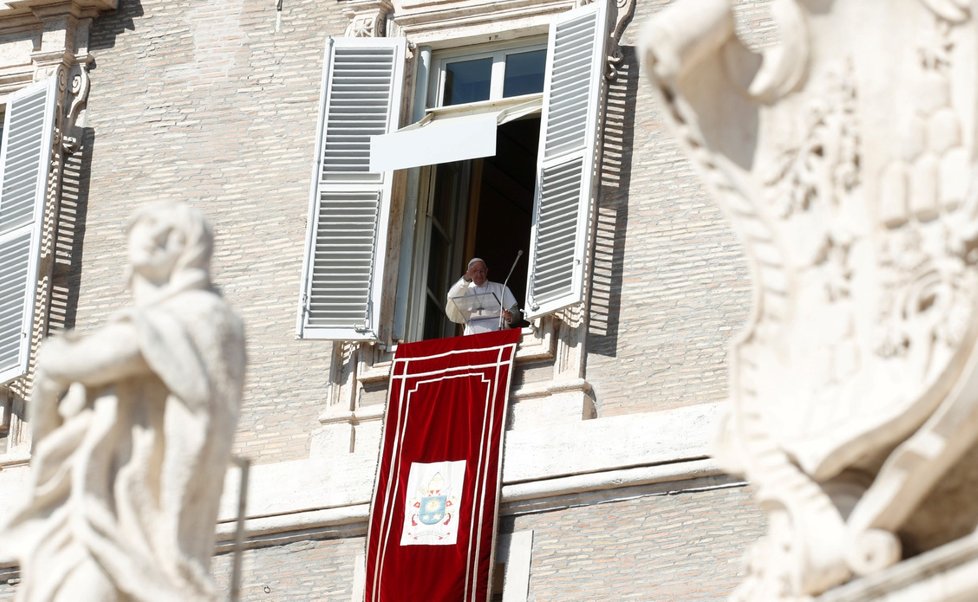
{"points": [[451, 310], [508, 299]]}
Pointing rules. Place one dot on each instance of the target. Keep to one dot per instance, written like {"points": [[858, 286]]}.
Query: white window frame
{"points": [[419, 239], [431, 79], [498, 51]]}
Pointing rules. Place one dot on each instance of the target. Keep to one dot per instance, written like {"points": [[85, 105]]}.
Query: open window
{"points": [[481, 207], [503, 161]]}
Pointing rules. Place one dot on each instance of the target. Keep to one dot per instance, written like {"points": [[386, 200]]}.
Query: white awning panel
{"points": [[448, 134]]}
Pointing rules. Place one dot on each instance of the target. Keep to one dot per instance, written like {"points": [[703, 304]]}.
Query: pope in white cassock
{"points": [[485, 315]]}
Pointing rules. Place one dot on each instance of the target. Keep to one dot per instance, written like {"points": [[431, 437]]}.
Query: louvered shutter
{"points": [[350, 207], [566, 180], [24, 166]]}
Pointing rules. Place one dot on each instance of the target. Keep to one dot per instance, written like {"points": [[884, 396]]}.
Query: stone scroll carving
{"points": [[132, 430], [845, 158], [368, 18]]}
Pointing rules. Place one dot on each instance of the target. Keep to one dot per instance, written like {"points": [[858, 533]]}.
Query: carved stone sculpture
{"points": [[132, 430], [844, 155]]}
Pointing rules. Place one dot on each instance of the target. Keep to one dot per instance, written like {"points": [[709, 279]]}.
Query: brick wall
{"points": [[686, 547], [306, 570], [674, 548], [670, 283], [204, 101]]}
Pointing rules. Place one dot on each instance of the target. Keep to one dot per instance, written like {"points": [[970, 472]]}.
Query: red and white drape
{"points": [[433, 516]]}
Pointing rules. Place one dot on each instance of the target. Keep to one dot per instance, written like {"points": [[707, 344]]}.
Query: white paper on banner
{"points": [[434, 493]]}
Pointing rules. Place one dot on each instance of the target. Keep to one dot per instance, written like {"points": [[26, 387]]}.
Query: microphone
{"points": [[503, 292]]}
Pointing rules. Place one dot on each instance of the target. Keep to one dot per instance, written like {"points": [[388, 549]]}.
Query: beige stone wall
{"points": [[207, 102], [667, 548], [204, 101], [313, 570], [686, 547], [670, 285]]}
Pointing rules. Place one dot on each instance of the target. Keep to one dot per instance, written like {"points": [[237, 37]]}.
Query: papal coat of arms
{"points": [[431, 512], [845, 157]]}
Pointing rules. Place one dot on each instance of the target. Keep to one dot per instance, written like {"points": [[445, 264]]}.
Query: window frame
{"points": [[498, 51], [418, 241]]}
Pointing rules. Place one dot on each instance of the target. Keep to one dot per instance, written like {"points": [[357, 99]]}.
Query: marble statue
{"points": [[132, 429], [844, 156]]}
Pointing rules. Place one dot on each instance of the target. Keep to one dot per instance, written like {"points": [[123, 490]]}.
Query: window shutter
{"points": [[566, 160], [25, 159], [350, 206]]}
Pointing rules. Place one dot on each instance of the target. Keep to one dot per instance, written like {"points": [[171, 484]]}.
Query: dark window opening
{"points": [[482, 208]]}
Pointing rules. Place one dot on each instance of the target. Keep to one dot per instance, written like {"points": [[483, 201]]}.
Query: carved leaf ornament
{"points": [[844, 158]]}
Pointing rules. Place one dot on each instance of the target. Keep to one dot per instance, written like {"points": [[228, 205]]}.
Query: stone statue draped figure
{"points": [[132, 430], [844, 155]]}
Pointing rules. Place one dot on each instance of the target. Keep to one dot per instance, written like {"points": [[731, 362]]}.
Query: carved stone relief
{"points": [[131, 424], [844, 156], [368, 19]]}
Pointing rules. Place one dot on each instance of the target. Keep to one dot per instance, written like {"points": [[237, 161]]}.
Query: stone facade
{"points": [[216, 103], [231, 104], [666, 548]]}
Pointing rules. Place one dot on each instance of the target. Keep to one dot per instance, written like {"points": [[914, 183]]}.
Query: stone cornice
{"points": [[27, 14], [431, 21], [515, 499]]}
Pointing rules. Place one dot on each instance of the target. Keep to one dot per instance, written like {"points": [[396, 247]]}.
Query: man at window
{"points": [[481, 305]]}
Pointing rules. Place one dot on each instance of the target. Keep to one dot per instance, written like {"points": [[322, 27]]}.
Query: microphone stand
{"points": [[503, 292]]}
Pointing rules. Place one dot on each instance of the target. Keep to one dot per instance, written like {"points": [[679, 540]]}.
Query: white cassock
{"points": [[479, 320]]}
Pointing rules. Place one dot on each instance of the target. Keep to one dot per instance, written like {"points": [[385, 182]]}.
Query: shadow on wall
{"points": [[612, 209], [109, 25], [66, 280]]}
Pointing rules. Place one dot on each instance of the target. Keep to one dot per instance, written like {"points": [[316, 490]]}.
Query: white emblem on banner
{"points": [[431, 511]]}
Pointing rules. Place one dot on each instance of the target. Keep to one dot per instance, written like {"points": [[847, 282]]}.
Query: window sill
{"points": [[14, 459], [537, 343]]}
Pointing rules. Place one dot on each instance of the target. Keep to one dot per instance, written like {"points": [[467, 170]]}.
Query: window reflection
{"points": [[467, 81], [524, 73]]}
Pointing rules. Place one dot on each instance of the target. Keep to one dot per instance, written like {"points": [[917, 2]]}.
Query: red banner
{"points": [[433, 515]]}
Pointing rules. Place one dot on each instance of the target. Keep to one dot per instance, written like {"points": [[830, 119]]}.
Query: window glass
{"points": [[467, 81], [524, 73]]}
